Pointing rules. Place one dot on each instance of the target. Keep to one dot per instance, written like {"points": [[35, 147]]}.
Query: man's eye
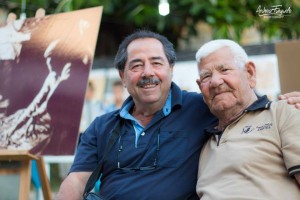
{"points": [[204, 78], [136, 67], [157, 64], [225, 69]]}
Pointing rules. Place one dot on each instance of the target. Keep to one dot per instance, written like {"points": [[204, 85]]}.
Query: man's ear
{"points": [[251, 73], [198, 83], [121, 75]]}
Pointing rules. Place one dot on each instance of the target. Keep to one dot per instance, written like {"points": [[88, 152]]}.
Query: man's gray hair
{"points": [[239, 53]]}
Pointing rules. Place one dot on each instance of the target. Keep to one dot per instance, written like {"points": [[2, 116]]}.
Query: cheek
{"points": [[205, 92], [204, 88], [166, 74], [131, 78]]}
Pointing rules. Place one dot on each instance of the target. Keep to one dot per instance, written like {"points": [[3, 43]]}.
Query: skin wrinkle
{"points": [[225, 95]]}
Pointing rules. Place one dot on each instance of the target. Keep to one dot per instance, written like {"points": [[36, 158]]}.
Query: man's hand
{"points": [[292, 98], [38, 14]]}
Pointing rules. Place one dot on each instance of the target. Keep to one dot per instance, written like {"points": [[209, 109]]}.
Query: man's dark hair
{"points": [[122, 56]]}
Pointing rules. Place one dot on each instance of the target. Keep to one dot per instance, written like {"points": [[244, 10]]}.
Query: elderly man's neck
{"points": [[228, 116]]}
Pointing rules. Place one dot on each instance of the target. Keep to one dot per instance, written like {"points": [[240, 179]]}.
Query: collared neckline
{"points": [[124, 112], [262, 103], [176, 99]]}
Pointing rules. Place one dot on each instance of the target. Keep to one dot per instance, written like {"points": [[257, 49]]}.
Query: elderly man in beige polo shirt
{"points": [[254, 150]]}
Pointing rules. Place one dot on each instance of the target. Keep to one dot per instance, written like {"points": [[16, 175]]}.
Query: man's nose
{"points": [[148, 70], [216, 79]]}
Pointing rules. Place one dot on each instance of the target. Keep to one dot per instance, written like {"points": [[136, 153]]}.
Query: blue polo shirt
{"points": [[138, 128], [181, 136]]}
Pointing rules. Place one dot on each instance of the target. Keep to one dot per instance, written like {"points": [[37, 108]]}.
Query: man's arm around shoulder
{"points": [[72, 187]]}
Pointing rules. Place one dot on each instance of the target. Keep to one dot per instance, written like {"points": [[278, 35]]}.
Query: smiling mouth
{"points": [[148, 83], [147, 86]]}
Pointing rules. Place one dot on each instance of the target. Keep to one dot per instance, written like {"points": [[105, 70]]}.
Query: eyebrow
{"points": [[140, 60], [220, 66], [134, 61], [206, 71], [202, 73], [157, 58]]}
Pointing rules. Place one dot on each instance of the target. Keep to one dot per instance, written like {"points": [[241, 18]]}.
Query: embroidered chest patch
{"points": [[259, 128]]}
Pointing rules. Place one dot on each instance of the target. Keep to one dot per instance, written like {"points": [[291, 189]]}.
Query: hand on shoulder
{"points": [[292, 98]]}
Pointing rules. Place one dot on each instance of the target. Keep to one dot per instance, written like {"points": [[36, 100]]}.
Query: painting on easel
{"points": [[44, 68]]}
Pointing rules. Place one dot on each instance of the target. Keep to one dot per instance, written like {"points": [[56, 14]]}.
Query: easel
{"points": [[24, 157]]}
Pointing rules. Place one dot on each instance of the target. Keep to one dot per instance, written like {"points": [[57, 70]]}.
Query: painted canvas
{"points": [[44, 68]]}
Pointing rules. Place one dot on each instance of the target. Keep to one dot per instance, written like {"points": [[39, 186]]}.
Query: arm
{"points": [[72, 187], [292, 98]]}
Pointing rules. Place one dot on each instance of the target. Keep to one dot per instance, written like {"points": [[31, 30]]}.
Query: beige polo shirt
{"points": [[255, 157]]}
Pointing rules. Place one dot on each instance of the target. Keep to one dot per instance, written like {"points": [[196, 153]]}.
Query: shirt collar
{"points": [[262, 103], [124, 113], [174, 99]]}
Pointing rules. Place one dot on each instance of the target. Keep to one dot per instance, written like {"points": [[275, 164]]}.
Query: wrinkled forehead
{"points": [[221, 57]]}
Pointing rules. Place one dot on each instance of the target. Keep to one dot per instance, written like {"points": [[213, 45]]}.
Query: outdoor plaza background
{"points": [[258, 44]]}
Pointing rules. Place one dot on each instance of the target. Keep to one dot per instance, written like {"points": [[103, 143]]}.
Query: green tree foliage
{"points": [[228, 19]]}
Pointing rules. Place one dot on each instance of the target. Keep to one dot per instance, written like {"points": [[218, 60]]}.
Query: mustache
{"points": [[146, 81]]}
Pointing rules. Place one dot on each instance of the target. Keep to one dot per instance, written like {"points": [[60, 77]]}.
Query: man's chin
{"points": [[221, 105]]}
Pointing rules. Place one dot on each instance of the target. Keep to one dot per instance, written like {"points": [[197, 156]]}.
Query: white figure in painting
{"points": [[29, 126], [11, 38]]}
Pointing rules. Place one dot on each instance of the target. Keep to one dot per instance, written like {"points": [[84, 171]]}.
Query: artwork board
{"points": [[288, 63], [44, 68]]}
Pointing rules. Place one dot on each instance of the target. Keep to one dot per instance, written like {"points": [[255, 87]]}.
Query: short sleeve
{"points": [[288, 120], [86, 157]]}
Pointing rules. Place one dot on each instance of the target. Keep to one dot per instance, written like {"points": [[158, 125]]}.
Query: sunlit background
{"points": [[187, 24]]}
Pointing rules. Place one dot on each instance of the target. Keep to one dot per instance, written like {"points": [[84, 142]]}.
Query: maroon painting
{"points": [[44, 68]]}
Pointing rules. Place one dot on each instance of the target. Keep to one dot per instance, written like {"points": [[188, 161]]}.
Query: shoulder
{"points": [[105, 121], [282, 107], [285, 113]]}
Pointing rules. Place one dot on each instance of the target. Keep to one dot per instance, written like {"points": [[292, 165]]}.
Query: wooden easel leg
{"points": [[25, 174], [44, 179]]}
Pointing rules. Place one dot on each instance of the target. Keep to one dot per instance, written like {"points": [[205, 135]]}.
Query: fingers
{"points": [[292, 98], [288, 95], [11, 17], [40, 13]]}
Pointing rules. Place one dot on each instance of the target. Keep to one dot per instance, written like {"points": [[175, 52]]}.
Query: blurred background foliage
{"points": [[227, 19]]}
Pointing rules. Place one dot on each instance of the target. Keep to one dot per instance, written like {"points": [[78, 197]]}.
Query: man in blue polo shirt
{"points": [[161, 135], [156, 155]]}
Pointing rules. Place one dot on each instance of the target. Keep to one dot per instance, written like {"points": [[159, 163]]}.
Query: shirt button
{"points": [[143, 133]]}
